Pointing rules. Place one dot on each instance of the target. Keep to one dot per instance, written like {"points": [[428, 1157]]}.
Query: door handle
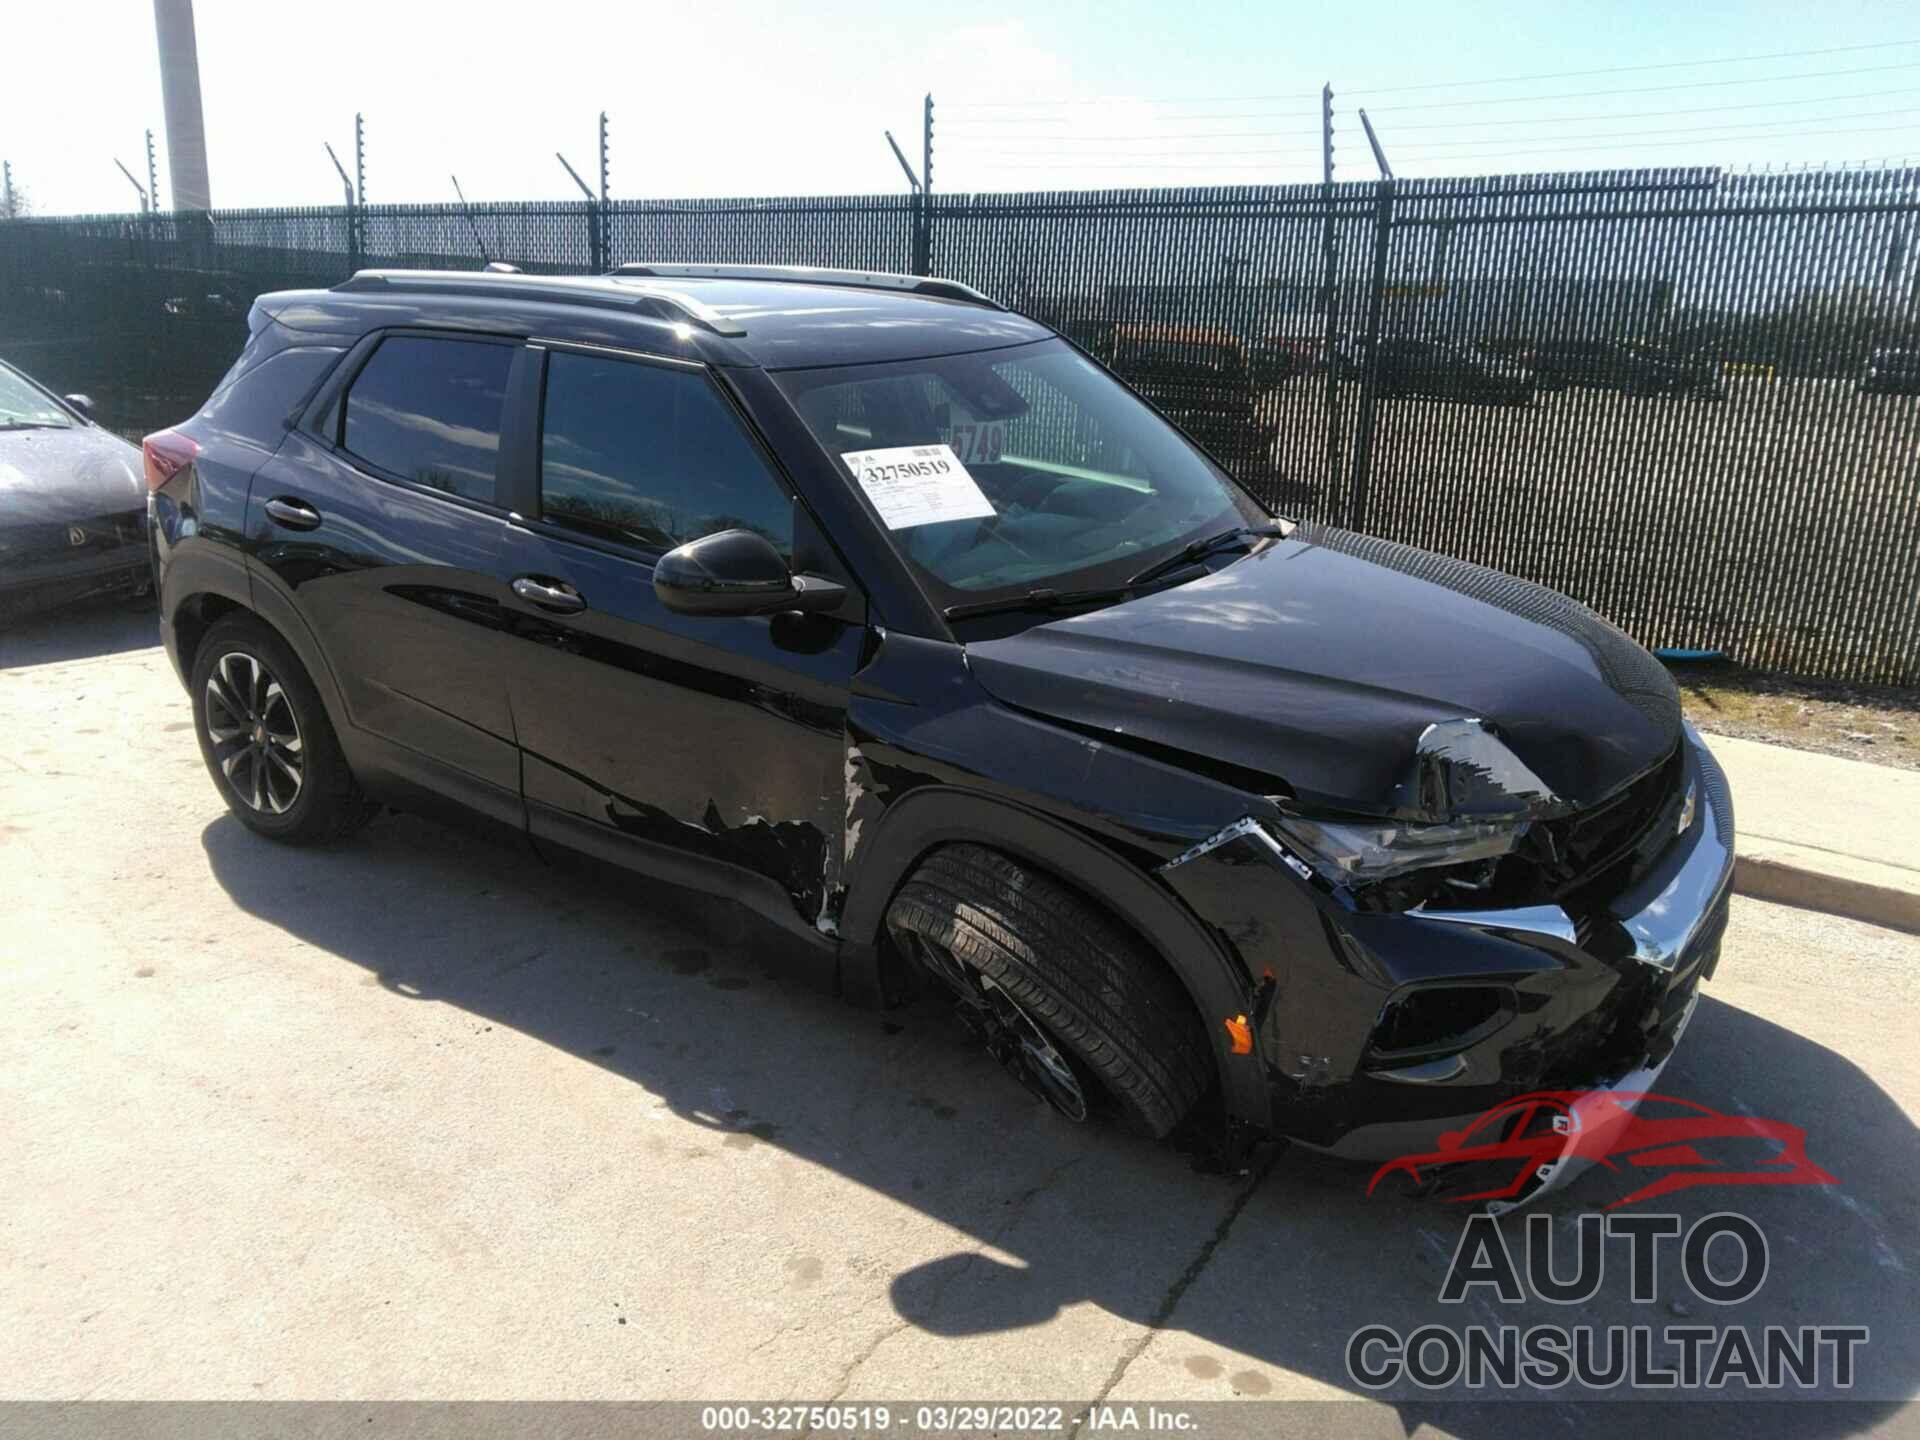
{"points": [[555, 595], [292, 513]]}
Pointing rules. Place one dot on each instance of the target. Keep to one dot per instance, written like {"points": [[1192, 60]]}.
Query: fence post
{"points": [[923, 205], [356, 212], [1370, 359], [606, 206], [1330, 286]]}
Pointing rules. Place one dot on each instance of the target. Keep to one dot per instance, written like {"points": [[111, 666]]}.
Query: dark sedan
{"points": [[1630, 369], [72, 503], [1450, 370]]}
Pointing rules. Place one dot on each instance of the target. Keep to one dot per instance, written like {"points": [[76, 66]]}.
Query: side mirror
{"points": [[737, 572], [82, 403]]}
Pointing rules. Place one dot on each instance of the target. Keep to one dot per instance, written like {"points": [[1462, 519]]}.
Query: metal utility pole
{"points": [[605, 193], [923, 232], [606, 201], [180, 92], [1330, 286], [1370, 357], [926, 147], [146, 205], [153, 175]]}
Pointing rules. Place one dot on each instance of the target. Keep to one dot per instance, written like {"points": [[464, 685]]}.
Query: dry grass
{"points": [[1859, 722]]}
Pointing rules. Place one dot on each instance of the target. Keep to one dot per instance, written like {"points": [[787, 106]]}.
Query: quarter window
{"points": [[428, 410], [652, 456]]}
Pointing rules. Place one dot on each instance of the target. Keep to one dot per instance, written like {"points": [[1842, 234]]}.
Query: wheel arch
{"points": [[197, 614], [942, 815], [213, 586]]}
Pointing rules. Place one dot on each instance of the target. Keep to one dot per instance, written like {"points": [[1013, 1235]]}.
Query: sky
{"points": [[734, 98]]}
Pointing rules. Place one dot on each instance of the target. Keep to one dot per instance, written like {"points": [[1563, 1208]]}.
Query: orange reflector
{"points": [[1239, 1035]]}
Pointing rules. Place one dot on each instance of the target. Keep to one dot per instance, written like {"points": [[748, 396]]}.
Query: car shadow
{"points": [[1283, 1266], [79, 632]]}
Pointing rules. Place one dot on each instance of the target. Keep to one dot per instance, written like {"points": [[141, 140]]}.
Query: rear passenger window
{"points": [[652, 456], [428, 410]]}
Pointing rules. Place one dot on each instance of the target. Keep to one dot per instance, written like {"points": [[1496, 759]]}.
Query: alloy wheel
{"points": [[254, 734]]}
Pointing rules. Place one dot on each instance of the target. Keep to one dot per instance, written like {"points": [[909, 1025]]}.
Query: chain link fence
{"points": [[1683, 397]]}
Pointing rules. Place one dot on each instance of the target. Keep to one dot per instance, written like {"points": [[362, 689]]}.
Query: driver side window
{"points": [[651, 455]]}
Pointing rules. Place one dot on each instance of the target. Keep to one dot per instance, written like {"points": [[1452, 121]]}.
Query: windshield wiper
{"points": [[1044, 598], [1041, 598], [1200, 549], [32, 425]]}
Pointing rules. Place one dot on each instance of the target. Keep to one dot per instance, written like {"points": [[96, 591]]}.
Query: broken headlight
{"points": [[1360, 852]]}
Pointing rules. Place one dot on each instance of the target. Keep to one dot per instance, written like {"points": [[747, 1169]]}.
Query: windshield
{"points": [[1006, 470], [24, 404]]}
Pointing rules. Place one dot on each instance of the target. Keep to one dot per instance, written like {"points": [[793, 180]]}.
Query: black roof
{"points": [[724, 319]]}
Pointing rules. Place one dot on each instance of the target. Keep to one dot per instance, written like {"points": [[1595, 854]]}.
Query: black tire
{"points": [[1101, 994], [325, 803]]}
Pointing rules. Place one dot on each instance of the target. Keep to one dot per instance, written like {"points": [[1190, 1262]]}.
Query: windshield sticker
{"points": [[918, 485]]}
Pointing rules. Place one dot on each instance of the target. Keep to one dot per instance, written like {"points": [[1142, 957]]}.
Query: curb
{"points": [[1764, 878]]}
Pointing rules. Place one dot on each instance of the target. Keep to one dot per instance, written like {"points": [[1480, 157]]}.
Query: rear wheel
{"points": [[1075, 1006], [266, 738]]}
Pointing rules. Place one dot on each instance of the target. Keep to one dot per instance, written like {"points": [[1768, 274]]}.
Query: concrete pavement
{"points": [[1840, 836], [416, 1117]]}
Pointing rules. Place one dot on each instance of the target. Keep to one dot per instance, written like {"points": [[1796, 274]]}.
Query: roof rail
{"points": [[658, 301], [931, 285]]}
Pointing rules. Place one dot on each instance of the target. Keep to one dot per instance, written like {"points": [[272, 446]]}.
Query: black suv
{"points": [[893, 616]]}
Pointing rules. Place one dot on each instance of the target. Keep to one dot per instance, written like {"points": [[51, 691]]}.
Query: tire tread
{"points": [[1097, 986]]}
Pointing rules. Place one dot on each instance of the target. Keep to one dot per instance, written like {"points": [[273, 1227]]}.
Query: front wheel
{"points": [[266, 738], [1081, 1012]]}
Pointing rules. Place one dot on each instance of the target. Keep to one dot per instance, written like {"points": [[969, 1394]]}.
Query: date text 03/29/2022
{"points": [[942, 1419]]}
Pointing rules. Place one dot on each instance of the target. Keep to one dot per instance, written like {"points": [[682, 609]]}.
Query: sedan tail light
{"points": [[164, 454]]}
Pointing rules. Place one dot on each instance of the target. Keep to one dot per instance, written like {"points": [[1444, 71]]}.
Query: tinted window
{"points": [[255, 403], [429, 411], [652, 456]]}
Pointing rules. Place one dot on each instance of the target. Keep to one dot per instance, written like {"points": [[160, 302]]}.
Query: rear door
{"points": [[698, 747], [380, 522]]}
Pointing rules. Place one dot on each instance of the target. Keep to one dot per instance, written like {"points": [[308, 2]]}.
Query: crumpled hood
{"points": [[57, 476], [1322, 660]]}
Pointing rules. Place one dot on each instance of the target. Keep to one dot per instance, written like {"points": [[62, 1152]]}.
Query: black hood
{"points": [[1322, 660], [56, 476]]}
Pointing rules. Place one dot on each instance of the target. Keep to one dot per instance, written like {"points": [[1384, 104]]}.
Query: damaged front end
{"points": [[1482, 939], [1466, 804]]}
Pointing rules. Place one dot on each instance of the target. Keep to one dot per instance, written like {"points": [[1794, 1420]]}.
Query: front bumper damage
{"points": [[47, 566], [1591, 997]]}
